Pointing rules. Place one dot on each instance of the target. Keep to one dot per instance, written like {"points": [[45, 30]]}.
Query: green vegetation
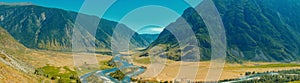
{"points": [[59, 74], [294, 82], [143, 60], [105, 65], [292, 76], [274, 65], [118, 75]]}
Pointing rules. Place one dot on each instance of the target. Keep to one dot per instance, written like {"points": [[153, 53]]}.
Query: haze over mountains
{"points": [[256, 30]]}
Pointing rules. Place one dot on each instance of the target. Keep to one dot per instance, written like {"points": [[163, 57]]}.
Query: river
{"points": [[104, 74]]}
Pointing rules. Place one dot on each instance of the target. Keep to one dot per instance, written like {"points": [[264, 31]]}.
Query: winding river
{"points": [[104, 74]]}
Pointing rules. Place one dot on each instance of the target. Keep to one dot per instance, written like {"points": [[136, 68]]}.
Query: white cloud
{"points": [[157, 29], [151, 30]]}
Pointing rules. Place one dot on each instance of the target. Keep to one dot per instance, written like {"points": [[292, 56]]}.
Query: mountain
{"points": [[50, 28], [256, 30], [150, 37]]}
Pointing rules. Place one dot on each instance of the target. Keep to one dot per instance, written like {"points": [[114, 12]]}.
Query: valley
{"points": [[230, 71], [38, 44]]}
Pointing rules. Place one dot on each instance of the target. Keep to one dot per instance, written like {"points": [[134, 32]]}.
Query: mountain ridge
{"points": [[31, 25], [255, 30]]}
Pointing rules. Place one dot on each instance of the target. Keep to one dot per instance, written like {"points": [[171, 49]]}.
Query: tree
{"points": [[247, 73], [53, 78]]}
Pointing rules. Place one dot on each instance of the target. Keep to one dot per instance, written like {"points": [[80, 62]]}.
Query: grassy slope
{"points": [[7, 73], [36, 59], [9, 44]]}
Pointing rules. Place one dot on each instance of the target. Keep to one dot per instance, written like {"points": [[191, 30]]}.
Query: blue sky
{"points": [[143, 16]]}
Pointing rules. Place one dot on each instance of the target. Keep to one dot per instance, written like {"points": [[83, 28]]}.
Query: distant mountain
{"points": [[256, 30], [50, 28], [150, 37]]}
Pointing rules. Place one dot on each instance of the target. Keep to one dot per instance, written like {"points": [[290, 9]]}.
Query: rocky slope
{"points": [[49, 28], [256, 30]]}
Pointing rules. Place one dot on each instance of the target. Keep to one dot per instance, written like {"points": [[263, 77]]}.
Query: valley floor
{"points": [[41, 58], [230, 70]]}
